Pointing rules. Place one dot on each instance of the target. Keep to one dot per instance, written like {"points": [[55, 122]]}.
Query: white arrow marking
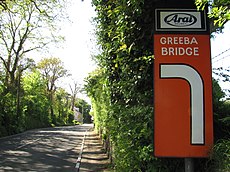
{"points": [[188, 73]]}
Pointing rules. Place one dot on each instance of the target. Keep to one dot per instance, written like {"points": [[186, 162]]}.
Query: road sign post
{"points": [[183, 122], [189, 165]]}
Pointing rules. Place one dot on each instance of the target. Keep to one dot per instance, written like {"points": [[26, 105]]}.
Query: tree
{"points": [[35, 103], [25, 26], [74, 90], [3, 5], [84, 109], [52, 70], [121, 91], [63, 107], [219, 12]]}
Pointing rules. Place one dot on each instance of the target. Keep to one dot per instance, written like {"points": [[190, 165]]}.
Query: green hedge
{"points": [[121, 89]]}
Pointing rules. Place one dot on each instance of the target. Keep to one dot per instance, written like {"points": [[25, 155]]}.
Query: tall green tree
{"points": [[35, 103], [63, 107], [84, 108], [26, 25], [52, 69]]}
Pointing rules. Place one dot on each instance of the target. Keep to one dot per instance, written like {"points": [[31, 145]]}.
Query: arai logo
{"points": [[180, 19]]}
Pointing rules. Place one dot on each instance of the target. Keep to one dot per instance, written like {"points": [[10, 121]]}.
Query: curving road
{"points": [[47, 150]]}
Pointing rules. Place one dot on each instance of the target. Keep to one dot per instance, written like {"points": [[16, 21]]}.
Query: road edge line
{"points": [[78, 163]]}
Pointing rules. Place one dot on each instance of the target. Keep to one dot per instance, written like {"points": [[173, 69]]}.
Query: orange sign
{"points": [[183, 122]]}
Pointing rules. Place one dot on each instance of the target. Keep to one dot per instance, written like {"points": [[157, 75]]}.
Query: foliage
{"points": [[23, 29], [96, 89], [221, 113], [221, 155], [52, 70], [26, 26], [35, 106], [84, 109], [121, 89], [35, 101], [219, 11], [63, 107], [223, 75], [218, 94]]}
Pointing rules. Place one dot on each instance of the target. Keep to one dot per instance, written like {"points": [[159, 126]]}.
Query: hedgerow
{"points": [[121, 89]]}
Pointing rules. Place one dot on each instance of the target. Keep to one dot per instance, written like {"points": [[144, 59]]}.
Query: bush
{"points": [[220, 158], [121, 90]]}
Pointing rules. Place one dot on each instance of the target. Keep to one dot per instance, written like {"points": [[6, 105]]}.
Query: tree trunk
{"points": [[51, 108], [18, 95]]}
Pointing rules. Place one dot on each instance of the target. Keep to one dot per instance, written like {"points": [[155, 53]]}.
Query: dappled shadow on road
{"points": [[42, 150]]}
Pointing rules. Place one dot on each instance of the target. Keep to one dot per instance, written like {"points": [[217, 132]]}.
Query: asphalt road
{"points": [[46, 150]]}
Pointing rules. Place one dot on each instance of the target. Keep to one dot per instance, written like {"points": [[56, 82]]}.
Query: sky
{"points": [[220, 52], [79, 45], [219, 44]]}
